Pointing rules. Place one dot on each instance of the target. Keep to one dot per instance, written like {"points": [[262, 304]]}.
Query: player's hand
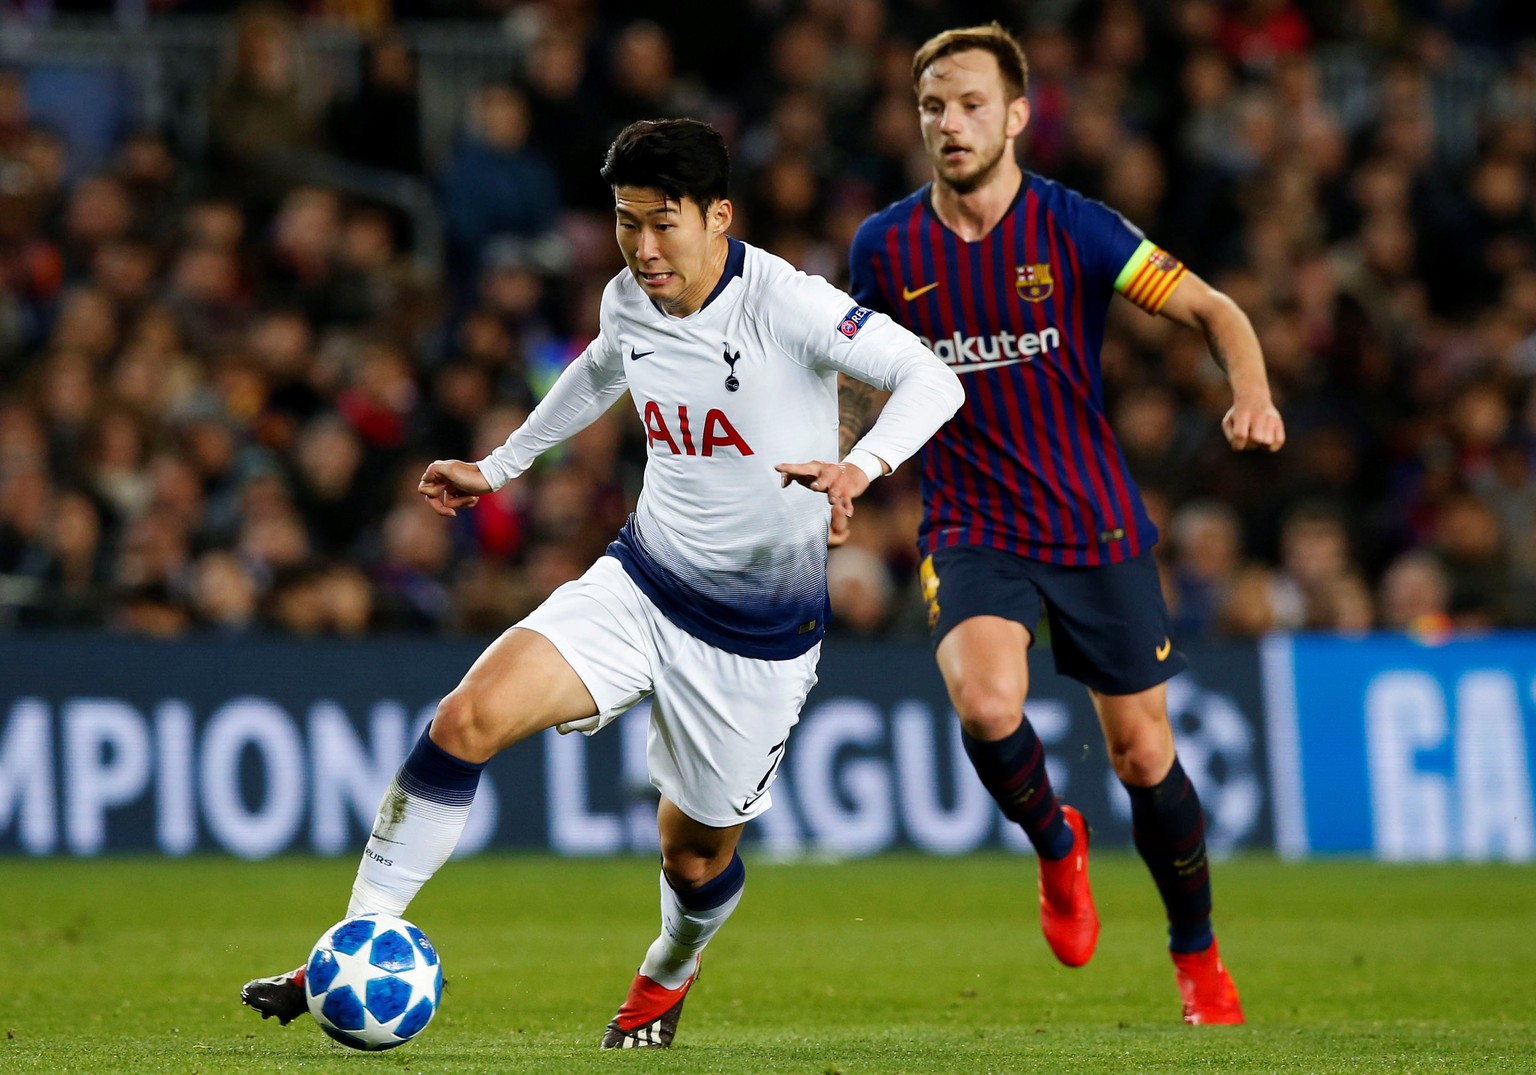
{"points": [[1250, 426], [839, 481], [450, 484], [840, 530]]}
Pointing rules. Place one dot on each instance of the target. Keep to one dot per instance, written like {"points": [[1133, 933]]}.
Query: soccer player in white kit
{"points": [[713, 598]]}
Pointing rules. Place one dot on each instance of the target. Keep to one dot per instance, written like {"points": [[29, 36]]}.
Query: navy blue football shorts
{"points": [[1109, 624]]}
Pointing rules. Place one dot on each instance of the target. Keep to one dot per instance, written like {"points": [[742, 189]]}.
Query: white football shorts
{"points": [[719, 722]]}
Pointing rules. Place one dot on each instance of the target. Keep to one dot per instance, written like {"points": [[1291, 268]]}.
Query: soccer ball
{"points": [[373, 982]]}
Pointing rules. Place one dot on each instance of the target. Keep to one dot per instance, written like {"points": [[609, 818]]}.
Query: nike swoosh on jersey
{"points": [[636, 356], [909, 294], [1165, 649]]}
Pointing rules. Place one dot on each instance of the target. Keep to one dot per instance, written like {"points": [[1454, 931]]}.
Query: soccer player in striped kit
{"points": [[1027, 498]]}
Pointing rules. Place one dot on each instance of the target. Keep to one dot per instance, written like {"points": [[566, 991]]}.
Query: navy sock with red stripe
{"points": [[1012, 769], [1168, 827]]}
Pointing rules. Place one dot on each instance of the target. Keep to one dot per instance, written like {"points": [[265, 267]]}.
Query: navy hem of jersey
{"points": [[783, 644]]}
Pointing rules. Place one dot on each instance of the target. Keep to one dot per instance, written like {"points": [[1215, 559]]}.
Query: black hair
{"points": [[681, 158]]}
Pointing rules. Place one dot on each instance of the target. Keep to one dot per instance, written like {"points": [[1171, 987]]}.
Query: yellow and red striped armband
{"points": [[1150, 276]]}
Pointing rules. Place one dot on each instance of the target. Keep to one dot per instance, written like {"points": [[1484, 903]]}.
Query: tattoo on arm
{"points": [[855, 400]]}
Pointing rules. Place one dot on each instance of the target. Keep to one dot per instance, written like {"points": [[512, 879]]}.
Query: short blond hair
{"points": [[989, 38]]}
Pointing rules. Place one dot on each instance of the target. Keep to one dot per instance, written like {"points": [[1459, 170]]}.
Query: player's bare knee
{"points": [[689, 870], [1140, 763], [987, 713], [459, 728]]}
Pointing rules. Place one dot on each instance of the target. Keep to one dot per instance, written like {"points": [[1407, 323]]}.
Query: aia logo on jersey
{"points": [[853, 320], [1034, 283], [679, 435]]}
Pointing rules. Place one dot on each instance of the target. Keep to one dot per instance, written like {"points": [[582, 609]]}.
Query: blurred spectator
{"points": [[97, 212], [495, 184], [380, 124], [224, 595], [1315, 561], [1416, 595], [152, 610], [296, 603], [272, 545], [154, 552], [154, 182], [561, 105], [1248, 609], [306, 237], [262, 108], [349, 599], [860, 589], [642, 80], [1208, 550], [330, 486], [1256, 33], [1468, 542], [410, 576], [204, 294], [379, 397]]}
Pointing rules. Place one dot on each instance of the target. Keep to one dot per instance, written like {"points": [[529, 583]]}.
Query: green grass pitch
{"points": [[895, 964]]}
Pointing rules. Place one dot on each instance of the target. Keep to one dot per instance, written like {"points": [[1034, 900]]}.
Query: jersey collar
{"points": [[735, 261], [926, 192]]}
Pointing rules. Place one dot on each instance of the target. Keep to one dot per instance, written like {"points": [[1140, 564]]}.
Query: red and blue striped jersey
{"points": [[1029, 464]]}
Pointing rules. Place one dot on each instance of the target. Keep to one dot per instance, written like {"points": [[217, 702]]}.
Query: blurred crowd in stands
{"points": [[220, 376]]}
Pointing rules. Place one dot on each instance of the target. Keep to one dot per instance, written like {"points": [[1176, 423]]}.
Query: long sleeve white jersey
{"points": [[725, 394]]}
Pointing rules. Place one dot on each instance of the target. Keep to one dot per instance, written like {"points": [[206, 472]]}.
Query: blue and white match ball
{"points": [[373, 982]]}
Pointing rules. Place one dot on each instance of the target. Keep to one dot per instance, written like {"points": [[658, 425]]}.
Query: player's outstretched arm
{"points": [[842, 482], [1253, 422], [450, 484]]}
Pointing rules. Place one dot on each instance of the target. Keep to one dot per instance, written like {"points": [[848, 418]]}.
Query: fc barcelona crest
{"points": [[1034, 283]]}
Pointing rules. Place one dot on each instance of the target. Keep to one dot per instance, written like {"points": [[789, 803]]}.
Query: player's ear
{"points": [[1018, 116], [719, 216]]}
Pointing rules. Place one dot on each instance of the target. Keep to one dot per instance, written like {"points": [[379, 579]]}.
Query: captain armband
{"points": [[1150, 276]]}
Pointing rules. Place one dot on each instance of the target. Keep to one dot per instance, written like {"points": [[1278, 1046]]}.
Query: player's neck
{"points": [[974, 214], [692, 300]]}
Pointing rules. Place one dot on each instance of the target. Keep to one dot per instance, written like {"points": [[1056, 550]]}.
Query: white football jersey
{"points": [[749, 381]]}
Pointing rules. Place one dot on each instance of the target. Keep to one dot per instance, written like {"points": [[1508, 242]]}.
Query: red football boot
{"points": [[648, 1017], [1067, 917], [1206, 988]]}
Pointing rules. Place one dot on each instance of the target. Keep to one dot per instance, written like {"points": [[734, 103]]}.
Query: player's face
{"points": [[676, 250], [968, 120]]}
